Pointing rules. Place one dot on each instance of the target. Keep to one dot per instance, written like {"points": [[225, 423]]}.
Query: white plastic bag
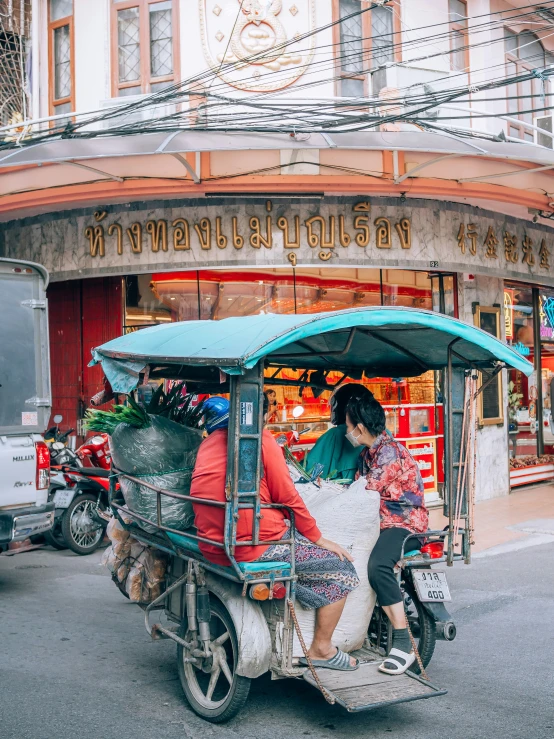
{"points": [[350, 517]]}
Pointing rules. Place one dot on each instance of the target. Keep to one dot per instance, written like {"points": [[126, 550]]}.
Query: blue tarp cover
{"points": [[388, 342]]}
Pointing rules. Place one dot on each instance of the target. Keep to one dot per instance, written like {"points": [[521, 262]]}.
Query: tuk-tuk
{"points": [[224, 638]]}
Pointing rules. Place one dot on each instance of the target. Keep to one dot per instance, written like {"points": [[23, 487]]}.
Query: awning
{"points": [[389, 342], [65, 162], [179, 142]]}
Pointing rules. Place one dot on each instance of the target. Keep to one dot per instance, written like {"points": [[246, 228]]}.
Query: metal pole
{"points": [[198, 294], [448, 449]]}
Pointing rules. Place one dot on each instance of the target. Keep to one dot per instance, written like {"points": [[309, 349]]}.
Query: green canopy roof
{"points": [[380, 341]]}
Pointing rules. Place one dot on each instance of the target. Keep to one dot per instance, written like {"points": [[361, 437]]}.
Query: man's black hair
{"points": [[369, 413], [342, 397]]}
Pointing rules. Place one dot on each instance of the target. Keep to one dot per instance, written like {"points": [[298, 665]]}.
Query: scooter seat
{"points": [[251, 568], [94, 472]]}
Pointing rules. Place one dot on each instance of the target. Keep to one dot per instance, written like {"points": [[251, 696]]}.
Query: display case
{"points": [[420, 427]]}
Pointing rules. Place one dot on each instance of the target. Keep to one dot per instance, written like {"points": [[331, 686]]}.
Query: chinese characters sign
{"points": [[525, 251]]}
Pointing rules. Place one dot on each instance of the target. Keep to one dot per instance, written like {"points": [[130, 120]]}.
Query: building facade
{"points": [[198, 159]]}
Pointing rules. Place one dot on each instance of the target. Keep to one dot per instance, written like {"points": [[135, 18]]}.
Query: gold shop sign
{"points": [[515, 250], [322, 233]]}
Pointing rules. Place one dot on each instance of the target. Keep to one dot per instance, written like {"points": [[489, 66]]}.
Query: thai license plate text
{"points": [[431, 586]]}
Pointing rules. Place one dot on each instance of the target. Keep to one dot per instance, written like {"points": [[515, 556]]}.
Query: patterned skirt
{"points": [[322, 577]]}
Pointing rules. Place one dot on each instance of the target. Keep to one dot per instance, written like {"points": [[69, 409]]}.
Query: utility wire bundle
{"points": [[168, 110]]}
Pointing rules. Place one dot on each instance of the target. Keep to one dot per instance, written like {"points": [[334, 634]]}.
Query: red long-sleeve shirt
{"points": [[208, 481]]}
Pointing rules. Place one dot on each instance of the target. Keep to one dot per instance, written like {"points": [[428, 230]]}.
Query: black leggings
{"points": [[382, 560]]}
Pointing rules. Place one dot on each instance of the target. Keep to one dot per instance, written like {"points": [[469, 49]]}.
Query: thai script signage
{"points": [[262, 231], [276, 231]]}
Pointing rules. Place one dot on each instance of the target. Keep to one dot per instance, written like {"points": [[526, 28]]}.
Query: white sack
{"points": [[350, 517]]}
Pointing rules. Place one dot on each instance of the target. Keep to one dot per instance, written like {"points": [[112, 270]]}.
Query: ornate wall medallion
{"points": [[252, 46]]}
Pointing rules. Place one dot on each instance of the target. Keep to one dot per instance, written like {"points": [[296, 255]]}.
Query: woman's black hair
{"points": [[369, 413], [343, 395]]}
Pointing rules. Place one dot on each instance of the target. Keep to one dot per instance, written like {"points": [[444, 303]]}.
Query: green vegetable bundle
{"points": [[176, 407], [171, 405], [105, 422]]}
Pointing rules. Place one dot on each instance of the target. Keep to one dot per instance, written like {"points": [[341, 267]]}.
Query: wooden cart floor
{"points": [[367, 688]]}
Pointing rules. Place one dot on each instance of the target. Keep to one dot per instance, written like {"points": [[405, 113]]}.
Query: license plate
{"points": [[62, 498], [431, 586]]}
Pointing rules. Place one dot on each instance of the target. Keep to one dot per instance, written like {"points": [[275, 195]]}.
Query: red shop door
{"points": [[64, 312], [102, 320]]}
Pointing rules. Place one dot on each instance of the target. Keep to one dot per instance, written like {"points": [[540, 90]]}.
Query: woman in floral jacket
{"points": [[390, 470]]}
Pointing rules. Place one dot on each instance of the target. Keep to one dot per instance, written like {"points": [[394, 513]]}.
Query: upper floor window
{"points": [[528, 98], [144, 45], [60, 51], [457, 17], [364, 44]]}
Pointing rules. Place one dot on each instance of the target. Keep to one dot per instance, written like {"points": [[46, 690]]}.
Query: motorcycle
{"points": [[79, 492], [424, 591]]}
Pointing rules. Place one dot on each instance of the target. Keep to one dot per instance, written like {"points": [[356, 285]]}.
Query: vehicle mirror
{"points": [[58, 419], [297, 411]]}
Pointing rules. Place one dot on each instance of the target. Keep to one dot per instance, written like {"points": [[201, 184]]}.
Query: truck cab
{"points": [[25, 402]]}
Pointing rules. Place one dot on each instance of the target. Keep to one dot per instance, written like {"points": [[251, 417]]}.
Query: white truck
{"points": [[25, 402]]}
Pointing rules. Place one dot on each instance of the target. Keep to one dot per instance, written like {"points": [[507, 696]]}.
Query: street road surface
{"points": [[76, 663]]}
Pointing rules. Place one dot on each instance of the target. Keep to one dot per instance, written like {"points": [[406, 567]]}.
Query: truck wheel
{"points": [[212, 687], [80, 530], [55, 538]]}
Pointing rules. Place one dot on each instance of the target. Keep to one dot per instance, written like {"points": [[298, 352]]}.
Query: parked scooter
{"points": [[79, 492]]}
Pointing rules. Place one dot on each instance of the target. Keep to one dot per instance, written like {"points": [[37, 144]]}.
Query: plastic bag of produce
{"points": [[350, 517], [161, 454], [116, 532], [146, 574]]}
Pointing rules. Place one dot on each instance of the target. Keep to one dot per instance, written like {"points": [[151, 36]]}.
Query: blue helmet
{"points": [[216, 413]]}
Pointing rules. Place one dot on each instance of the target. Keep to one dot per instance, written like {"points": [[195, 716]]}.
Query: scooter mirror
{"points": [[58, 419]]}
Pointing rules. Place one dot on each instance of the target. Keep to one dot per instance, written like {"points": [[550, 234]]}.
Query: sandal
{"points": [[339, 661], [397, 662]]}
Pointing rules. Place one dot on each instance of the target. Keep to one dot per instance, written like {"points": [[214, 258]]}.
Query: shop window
{"points": [[214, 295], [459, 54], [143, 307], [522, 391], [60, 52], [546, 313], [525, 99], [144, 45], [406, 288], [364, 44], [491, 400], [444, 294]]}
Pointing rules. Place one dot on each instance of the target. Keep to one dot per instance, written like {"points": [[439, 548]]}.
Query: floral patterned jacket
{"points": [[392, 471]]}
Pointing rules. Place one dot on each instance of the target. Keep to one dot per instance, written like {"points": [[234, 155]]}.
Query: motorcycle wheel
{"points": [[212, 687], [421, 624], [80, 530], [55, 538], [422, 627]]}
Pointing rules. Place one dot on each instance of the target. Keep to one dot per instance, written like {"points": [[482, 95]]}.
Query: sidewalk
{"points": [[523, 518]]}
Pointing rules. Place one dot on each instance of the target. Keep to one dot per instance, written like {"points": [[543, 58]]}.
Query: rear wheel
{"points": [[421, 625], [81, 531], [212, 687]]}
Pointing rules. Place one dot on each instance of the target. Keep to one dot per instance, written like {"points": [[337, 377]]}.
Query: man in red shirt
{"points": [[324, 569]]}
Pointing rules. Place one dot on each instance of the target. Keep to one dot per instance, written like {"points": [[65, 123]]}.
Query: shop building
{"points": [[143, 229]]}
